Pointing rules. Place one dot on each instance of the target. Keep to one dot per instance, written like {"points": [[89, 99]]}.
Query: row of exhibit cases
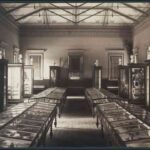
{"points": [[16, 82], [121, 123], [134, 82], [56, 72]]}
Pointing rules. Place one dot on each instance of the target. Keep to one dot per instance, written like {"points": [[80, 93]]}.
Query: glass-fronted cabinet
{"points": [[147, 82], [15, 83], [137, 83], [123, 90], [3, 83], [28, 80], [54, 76], [97, 76]]}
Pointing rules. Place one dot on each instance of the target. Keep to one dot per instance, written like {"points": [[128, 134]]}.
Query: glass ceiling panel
{"points": [[87, 13]]}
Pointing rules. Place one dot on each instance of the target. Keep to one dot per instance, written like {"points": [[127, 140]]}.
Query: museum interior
{"points": [[74, 74]]}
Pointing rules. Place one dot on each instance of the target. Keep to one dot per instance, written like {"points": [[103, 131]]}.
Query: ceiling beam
{"points": [[29, 14], [76, 16], [14, 9], [90, 16], [46, 18], [124, 15], [61, 16], [135, 8], [61, 9], [71, 5], [90, 9], [103, 8], [105, 16], [81, 5]]}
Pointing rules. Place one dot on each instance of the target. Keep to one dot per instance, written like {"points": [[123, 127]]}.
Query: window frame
{"points": [[40, 53]]}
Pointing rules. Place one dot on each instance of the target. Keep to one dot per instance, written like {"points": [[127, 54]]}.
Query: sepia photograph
{"points": [[74, 74]]}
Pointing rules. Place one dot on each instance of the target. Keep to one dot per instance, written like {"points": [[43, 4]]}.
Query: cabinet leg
{"points": [[51, 132], [55, 122], [102, 130], [44, 138], [97, 123]]}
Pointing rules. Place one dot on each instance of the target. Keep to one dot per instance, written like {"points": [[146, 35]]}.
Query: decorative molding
{"points": [[32, 50], [76, 51], [115, 49]]}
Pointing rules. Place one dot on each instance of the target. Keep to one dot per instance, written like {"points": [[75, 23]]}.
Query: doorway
{"points": [[75, 61]]}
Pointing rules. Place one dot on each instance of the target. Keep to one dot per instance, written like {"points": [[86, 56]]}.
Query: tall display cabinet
{"points": [[15, 83], [137, 86], [3, 83], [147, 82], [28, 80], [123, 90], [97, 76], [54, 75]]}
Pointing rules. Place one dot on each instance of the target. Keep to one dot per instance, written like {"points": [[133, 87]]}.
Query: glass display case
{"points": [[137, 83], [15, 83], [121, 127], [3, 83], [97, 76], [123, 81], [28, 80], [31, 126], [54, 76], [147, 81]]}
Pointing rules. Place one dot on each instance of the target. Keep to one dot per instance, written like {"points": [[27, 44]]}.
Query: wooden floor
{"points": [[76, 127]]}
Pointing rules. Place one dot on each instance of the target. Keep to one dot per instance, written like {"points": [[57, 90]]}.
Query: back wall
{"points": [[58, 40]]}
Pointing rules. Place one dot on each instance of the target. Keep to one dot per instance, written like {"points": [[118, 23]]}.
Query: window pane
{"points": [[36, 62]]}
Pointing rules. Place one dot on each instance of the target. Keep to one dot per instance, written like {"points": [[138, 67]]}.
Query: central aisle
{"points": [[76, 127]]}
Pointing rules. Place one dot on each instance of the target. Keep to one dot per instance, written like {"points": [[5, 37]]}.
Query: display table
{"points": [[120, 127], [94, 96], [12, 112], [56, 95], [29, 128]]}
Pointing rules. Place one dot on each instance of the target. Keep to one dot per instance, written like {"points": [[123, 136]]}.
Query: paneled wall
{"points": [[57, 41]]}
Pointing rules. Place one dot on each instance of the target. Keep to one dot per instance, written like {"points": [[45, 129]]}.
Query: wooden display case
{"points": [[123, 90], [137, 83], [120, 127], [15, 83], [54, 76], [147, 81], [97, 76], [30, 128], [28, 80], [3, 83]]}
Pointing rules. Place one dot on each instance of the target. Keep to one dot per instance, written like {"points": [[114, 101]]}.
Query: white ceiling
{"points": [[101, 14]]}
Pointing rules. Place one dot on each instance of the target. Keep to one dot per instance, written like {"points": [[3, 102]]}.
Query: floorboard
{"points": [[76, 127]]}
